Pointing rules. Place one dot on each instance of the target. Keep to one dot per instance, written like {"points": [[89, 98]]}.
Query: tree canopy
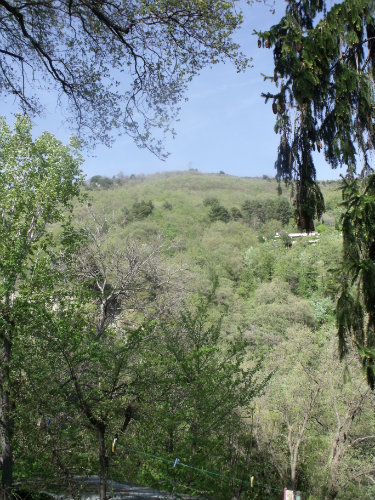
{"points": [[324, 70], [116, 64], [38, 181]]}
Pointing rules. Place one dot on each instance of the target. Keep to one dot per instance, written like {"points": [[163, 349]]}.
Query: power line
{"points": [[176, 462]]}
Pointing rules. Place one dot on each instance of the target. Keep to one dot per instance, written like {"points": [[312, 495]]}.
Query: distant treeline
{"points": [[104, 182], [254, 212]]}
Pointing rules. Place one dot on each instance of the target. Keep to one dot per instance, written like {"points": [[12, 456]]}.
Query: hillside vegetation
{"points": [[172, 333], [309, 419]]}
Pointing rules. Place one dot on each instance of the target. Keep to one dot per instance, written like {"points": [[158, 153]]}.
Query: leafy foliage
{"points": [[218, 212], [142, 209], [120, 65], [209, 382], [101, 181], [257, 212], [38, 181], [211, 202], [146, 362]]}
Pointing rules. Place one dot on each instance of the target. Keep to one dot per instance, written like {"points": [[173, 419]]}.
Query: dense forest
{"points": [[179, 331], [174, 331]]}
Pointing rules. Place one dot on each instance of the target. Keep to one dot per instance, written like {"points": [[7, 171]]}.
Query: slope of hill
{"points": [[186, 348]]}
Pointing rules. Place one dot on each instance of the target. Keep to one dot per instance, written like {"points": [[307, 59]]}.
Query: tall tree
{"points": [[37, 183], [356, 303], [206, 381], [118, 64], [325, 71], [351, 450], [99, 334], [315, 425], [324, 67]]}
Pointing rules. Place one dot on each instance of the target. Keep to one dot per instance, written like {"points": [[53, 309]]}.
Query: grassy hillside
{"points": [[180, 215], [192, 187]]}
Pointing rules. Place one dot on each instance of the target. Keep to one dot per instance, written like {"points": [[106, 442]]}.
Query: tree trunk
{"points": [[103, 464], [293, 470], [6, 420], [294, 445], [194, 433]]}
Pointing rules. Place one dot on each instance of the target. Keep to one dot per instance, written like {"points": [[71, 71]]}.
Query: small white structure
{"points": [[313, 234]]}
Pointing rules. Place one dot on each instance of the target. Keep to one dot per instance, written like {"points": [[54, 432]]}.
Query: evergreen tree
{"points": [[324, 70], [356, 304]]}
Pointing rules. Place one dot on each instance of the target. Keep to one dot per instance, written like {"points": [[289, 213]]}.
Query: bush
{"points": [[235, 213], [218, 212], [211, 202], [101, 181], [142, 209], [286, 239], [167, 205]]}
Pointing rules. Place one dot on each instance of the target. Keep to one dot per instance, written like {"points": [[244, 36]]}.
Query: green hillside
{"points": [[217, 232], [182, 217], [185, 339]]}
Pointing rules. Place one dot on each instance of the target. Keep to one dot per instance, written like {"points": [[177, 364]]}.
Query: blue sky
{"points": [[224, 125]]}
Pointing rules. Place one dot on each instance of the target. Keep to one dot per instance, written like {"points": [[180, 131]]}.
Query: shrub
{"points": [[218, 212], [142, 209], [101, 181], [167, 205], [211, 202], [235, 213], [286, 239]]}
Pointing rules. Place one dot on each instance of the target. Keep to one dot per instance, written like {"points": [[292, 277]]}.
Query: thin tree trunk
{"points": [[293, 470], [6, 421], [103, 464]]}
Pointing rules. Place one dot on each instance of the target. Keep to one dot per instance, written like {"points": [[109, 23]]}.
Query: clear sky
{"points": [[224, 125]]}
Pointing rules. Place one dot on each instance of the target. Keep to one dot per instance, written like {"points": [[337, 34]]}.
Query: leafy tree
{"points": [[315, 423], [235, 213], [258, 212], [253, 211], [351, 439], [81, 49], [274, 310], [291, 404], [286, 239], [205, 383], [102, 181], [37, 183], [105, 381], [100, 332], [261, 263], [211, 202], [283, 211]]}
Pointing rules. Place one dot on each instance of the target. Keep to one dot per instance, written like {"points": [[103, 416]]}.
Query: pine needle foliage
{"points": [[356, 304], [324, 68]]}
